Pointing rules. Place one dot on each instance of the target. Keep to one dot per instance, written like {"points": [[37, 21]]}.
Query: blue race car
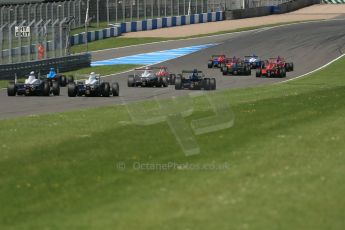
{"points": [[254, 61], [52, 76]]}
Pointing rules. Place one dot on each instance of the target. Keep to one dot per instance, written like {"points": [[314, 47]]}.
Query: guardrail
{"points": [[63, 64]]}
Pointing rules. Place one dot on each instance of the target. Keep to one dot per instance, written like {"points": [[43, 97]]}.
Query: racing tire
{"points": [[210, 64], [291, 66], [63, 81], [206, 84], [106, 89], [72, 89], [56, 89], [11, 89], [70, 79], [212, 84], [115, 89], [258, 73], [130, 81], [178, 83], [46, 89]]}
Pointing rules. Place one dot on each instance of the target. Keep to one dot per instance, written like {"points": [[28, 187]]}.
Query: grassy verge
{"points": [[102, 70], [117, 42], [285, 150]]}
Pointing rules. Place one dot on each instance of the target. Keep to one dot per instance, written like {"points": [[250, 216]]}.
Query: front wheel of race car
{"points": [[115, 89], [72, 90], [56, 89], [106, 89], [46, 89], [11, 89], [213, 84], [178, 83], [130, 81]]}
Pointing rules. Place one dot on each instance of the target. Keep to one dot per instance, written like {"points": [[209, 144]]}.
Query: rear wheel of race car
{"points": [[291, 66], [72, 90], [130, 81], [212, 84], [70, 79], [11, 89], [210, 64], [115, 89], [206, 84], [178, 83], [46, 89], [106, 89], [56, 89], [63, 80]]}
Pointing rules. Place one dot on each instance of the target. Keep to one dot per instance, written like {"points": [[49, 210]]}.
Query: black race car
{"points": [[62, 80], [93, 87], [194, 79], [33, 87]]}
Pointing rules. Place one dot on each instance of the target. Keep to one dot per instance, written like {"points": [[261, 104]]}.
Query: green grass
{"points": [[286, 152], [117, 42], [102, 70]]}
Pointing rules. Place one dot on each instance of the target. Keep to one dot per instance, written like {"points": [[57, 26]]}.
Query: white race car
{"points": [[145, 77]]}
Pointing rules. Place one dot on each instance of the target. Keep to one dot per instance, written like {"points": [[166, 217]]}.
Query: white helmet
{"points": [[32, 73]]}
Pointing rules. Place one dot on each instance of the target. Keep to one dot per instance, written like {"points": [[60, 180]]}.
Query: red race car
{"points": [[163, 72], [283, 64], [216, 61], [271, 68]]}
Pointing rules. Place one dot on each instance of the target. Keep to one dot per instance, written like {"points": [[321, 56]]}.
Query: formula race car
{"points": [[271, 68], [235, 66], [33, 87], [162, 72], [145, 77], [253, 61], [62, 80], [194, 79], [93, 87], [216, 61], [283, 64]]}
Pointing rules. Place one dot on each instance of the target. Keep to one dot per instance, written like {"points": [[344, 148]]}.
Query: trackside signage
{"points": [[22, 31]]}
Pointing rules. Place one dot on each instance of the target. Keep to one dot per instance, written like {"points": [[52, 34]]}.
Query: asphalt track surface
{"points": [[308, 45]]}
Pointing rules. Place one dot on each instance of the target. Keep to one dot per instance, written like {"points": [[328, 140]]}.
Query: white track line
{"points": [[313, 71]]}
